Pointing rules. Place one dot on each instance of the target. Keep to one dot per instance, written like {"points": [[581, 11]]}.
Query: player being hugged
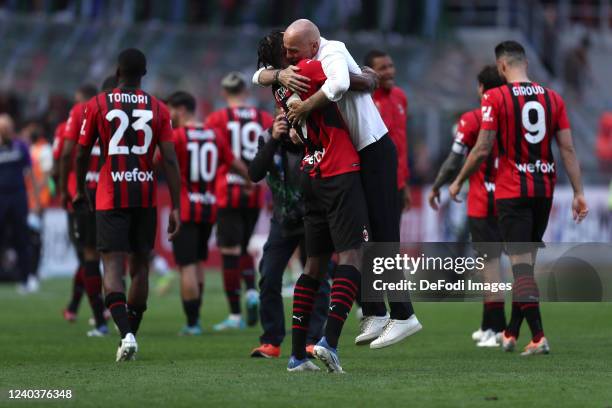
{"points": [[129, 124], [525, 118], [200, 153]]}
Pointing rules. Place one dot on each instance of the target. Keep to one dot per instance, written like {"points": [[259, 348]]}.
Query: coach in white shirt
{"points": [[376, 150]]}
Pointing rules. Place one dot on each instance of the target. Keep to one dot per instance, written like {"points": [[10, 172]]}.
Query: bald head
{"points": [[6, 127], [301, 40]]}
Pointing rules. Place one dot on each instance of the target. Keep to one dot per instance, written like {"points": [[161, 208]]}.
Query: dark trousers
{"points": [[14, 218], [379, 179], [276, 255]]}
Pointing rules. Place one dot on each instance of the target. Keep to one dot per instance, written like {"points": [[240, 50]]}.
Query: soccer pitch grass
{"points": [[438, 367]]}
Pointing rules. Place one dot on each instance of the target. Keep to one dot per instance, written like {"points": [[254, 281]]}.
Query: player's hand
{"points": [[81, 201], [298, 111], [174, 223], [280, 127], [295, 138], [295, 82], [579, 208], [249, 186], [454, 190], [407, 198], [372, 76], [434, 199]]}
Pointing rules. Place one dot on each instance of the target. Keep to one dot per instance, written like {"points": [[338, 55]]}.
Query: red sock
{"points": [[343, 292], [231, 281], [303, 301]]}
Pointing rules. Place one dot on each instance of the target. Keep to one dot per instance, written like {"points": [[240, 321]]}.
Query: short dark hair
{"points": [[270, 50], [184, 99], [489, 77], [132, 63], [369, 58], [88, 91], [109, 83], [511, 49]]}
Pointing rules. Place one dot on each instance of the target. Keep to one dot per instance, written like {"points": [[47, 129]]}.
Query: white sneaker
{"points": [[370, 328], [477, 335], [33, 284], [489, 339], [127, 349], [395, 331]]}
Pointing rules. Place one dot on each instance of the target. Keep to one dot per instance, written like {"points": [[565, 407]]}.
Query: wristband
{"points": [[276, 75]]}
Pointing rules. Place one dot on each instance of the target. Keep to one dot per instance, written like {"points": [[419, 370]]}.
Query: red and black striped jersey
{"points": [[129, 124], [329, 149], [72, 130], [481, 195], [240, 127], [526, 117], [200, 153]]}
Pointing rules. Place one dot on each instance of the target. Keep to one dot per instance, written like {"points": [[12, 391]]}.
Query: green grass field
{"points": [[438, 367]]}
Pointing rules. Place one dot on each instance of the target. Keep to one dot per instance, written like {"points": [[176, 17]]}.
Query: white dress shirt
{"points": [[357, 108]]}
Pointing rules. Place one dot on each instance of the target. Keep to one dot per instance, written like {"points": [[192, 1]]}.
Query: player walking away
{"points": [[67, 189], [78, 281], [528, 117], [84, 218], [200, 153], [482, 214], [240, 125], [15, 166], [129, 124]]}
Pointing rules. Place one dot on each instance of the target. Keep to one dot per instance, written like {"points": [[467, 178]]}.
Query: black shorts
{"points": [[235, 226], [85, 227], [126, 230], [191, 244], [523, 220], [336, 216], [486, 236]]}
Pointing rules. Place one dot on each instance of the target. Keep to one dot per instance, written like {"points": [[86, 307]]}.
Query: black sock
{"points": [[247, 270], [498, 317], [135, 313], [304, 294], [231, 281], [484, 323], [192, 311], [492, 319], [528, 295], [115, 303], [343, 292], [200, 294], [93, 287], [516, 319], [78, 288]]}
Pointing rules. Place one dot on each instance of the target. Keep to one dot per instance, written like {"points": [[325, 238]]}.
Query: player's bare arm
{"points": [[171, 170], [482, 149], [64, 169], [447, 172], [572, 167], [82, 163], [367, 81]]}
